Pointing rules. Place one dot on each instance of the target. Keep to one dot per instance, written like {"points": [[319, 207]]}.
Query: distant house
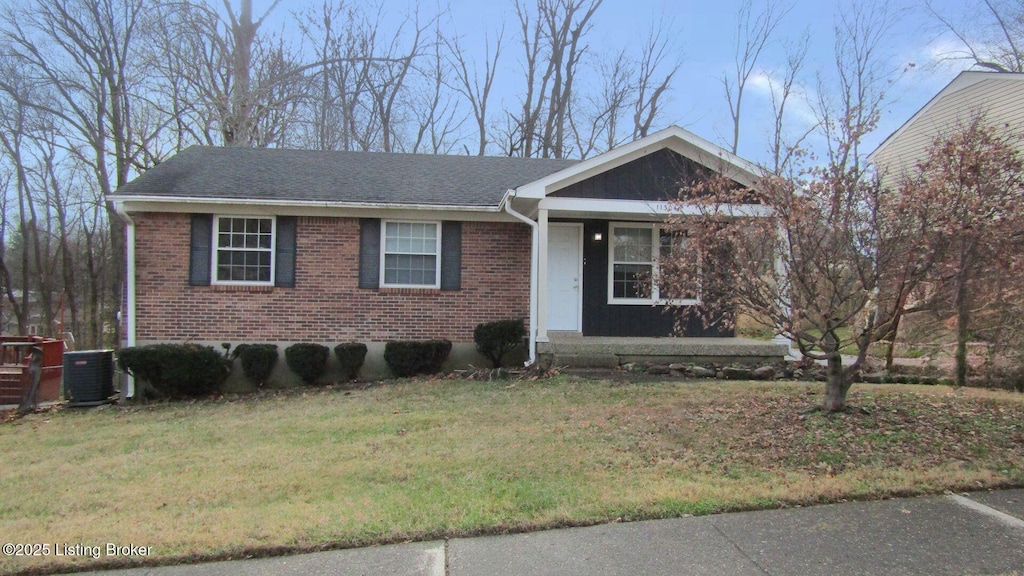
{"points": [[36, 323], [266, 245], [998, 97]]}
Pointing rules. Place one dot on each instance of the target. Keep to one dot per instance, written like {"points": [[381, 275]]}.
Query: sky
{"points": [[704, 37]]}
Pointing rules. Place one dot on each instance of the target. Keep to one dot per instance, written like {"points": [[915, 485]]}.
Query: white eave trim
{"points": [[565, 206], [677, 139], [188, 200]]}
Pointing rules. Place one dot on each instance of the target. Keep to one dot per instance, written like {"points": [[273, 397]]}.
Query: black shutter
{"points": [[451, 255], [284, 253], [200, 252], [369, 253]]}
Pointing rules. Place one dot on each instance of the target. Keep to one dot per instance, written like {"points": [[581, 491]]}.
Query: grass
{"points": [[419, 460]]}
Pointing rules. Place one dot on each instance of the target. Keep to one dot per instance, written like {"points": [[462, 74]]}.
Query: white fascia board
{"points": [[568, 206], [677, 139], [310, 208]]}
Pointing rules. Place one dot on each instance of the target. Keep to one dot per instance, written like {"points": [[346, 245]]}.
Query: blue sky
{"points": [[704, 35]]}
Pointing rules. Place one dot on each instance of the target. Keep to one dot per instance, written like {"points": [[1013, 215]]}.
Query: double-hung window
{"points": [[633, 258], [632, 255], [411, 254], [243, 250]]}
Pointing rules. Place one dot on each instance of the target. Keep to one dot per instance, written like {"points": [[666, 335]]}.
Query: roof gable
{"points": [[689, 146], [999, 96], [656, 177]]}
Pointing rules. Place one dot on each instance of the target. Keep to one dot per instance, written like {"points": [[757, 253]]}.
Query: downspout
{"points": [[534, 253], [129, 390]]}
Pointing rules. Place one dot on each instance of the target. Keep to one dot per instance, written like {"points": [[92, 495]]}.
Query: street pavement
{"points": [[977, 534]]}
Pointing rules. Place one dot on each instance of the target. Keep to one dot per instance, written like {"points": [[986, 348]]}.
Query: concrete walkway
{"points": [[980, 533]]}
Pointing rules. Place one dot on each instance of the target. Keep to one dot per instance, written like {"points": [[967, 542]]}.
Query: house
{"points": [[264, 245], [997, 97]]}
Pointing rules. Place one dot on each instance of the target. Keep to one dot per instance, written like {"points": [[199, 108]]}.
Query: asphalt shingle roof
{"points": [[305, 175]]}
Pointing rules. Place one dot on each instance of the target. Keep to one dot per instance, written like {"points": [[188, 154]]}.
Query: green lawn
{"points": [[419, 459]]}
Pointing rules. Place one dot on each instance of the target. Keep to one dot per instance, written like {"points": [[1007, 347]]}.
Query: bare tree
{"points": [[782, 92], [83, 53], [991, 33], [435, 109], [753, 32], [238, 125], [971, 183], [600, 128], [388, 82], [812, 267], [862, 75], [654, 73], [553, 43], [476, 90], [632, 93]]}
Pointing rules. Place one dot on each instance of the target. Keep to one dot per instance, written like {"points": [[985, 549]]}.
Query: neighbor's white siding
{"points": [[999, 97]]}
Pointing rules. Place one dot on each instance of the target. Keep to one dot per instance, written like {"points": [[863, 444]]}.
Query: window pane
{"points": [[245, 249], [672, 243], [410, 269], [410, 253], [631, 281], [632, 244]]}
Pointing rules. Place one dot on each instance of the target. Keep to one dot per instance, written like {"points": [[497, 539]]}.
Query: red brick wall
{"points": [[326, 304]]}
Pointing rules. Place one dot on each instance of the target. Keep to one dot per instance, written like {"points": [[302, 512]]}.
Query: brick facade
{"points": [[326, 304]]}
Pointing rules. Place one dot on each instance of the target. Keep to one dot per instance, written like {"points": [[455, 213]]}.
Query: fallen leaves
{"points": [[772, 431]]}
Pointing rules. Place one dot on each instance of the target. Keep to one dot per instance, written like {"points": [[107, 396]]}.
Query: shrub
{"points": [[495, 339], [257, 360], [307, 360], [350, 358], [408, 358], [176, 370]]}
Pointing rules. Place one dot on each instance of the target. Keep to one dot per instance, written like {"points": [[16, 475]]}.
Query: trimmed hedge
{"points": [[496, 339], [258, 360], [176, 370], [350, 359], [408, 358], [307, 360]]}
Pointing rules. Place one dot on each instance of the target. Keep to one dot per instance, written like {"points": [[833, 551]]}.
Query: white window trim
{"points": [[215, 248], [655, 298], [437, 254]]}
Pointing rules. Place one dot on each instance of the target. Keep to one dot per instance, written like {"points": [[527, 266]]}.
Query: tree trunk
{"points": [[962, 315], [962, 318], [836, 384]]}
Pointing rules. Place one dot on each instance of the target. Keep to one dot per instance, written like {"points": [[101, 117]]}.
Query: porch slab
{"points": [[608, 351]]}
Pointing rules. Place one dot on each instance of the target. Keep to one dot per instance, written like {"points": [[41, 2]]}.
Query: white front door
{"points": [[565, 276]]}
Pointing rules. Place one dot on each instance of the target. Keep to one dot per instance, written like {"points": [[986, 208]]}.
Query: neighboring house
{"points": [[36, 323], [265, 245], [997, 97]]}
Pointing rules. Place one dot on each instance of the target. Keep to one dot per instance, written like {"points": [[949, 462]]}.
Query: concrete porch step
{"points": [[578, 351]]}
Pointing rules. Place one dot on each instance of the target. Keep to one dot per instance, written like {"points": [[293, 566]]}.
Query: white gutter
{"points": [[300, 203], [534, 254], [130, 288]]}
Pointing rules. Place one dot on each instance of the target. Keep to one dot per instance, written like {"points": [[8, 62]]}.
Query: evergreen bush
{"points": [[258, 360], [408, 358], [350, 359], [496, 339], [307, 360], [176, 370]]}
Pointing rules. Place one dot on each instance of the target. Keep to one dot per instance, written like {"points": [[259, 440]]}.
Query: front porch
{"points": [[576, 351]]}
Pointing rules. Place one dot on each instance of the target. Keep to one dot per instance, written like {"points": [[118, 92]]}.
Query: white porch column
{"points": [[782, 273], [542, 277]]}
